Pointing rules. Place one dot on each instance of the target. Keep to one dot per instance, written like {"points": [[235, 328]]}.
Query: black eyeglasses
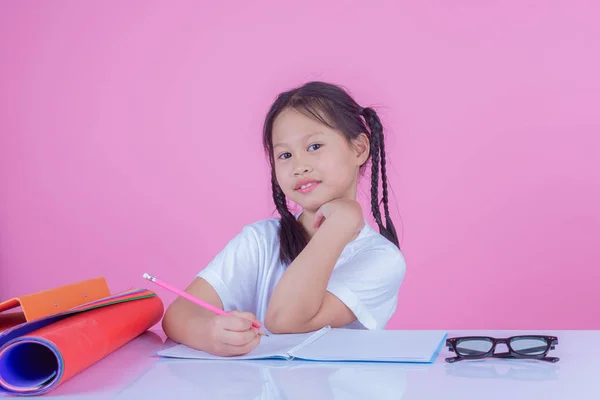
{"points": [[526, 346]]}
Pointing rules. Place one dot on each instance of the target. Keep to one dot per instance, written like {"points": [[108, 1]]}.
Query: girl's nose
{"points": [[302, 169]]}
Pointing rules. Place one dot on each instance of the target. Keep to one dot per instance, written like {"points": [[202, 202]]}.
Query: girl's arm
{"points": [[300, 301], [196, 327], [184, 321]]}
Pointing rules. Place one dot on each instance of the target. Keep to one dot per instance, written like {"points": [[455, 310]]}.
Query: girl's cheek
{"points": [[283, 177]]}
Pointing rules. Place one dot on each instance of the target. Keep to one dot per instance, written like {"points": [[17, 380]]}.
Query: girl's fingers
{"points": [[237, 339], [244, 349], [247, 315], [234, 323], [319, 217], [241, 321]]}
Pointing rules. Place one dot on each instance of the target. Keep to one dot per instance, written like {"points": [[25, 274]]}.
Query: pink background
{"points": [[130, 142]]}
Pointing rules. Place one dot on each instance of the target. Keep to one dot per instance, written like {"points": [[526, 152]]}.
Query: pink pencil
{"points": [[210, 307]]}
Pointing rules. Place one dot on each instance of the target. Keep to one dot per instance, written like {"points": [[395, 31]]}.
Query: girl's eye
{"points": [[315, 146], [284, 156]]}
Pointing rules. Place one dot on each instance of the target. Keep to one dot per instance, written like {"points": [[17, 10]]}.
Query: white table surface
{"points": [[134, 372]]}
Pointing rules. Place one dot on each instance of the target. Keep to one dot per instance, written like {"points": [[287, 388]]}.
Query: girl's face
{"points": [[315, 164]]}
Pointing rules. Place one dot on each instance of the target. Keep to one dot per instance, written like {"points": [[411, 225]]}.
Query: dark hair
{"points": [[334, 107]]}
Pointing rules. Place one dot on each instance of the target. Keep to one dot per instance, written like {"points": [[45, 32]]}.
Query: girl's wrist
{"points": [[340, 227]]}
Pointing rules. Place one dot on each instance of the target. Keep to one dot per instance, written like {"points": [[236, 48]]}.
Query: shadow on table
{"points": [[520, 370]]}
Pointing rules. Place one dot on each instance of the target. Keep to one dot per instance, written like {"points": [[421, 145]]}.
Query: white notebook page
{"points": [[376, 345]]}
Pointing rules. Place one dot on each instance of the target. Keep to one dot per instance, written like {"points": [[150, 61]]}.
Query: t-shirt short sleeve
{"points": [[368, 283], [233, 272]]}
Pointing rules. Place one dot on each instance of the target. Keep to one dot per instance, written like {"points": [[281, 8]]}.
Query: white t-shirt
{"points": [[366, 277]]}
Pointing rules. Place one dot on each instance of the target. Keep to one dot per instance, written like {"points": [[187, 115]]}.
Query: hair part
{"points": [[335, 108]]}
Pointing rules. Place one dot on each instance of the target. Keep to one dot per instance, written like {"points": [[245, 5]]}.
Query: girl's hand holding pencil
{"points": [[232, 333]]}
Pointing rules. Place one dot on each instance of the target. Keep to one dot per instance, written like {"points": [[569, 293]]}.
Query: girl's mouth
{"points": [[306, 187]]}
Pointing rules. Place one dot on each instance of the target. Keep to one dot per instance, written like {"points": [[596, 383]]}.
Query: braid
{"points": [[292, 235], [375, 181], [388, 220], [280, 202], [377, 157]]}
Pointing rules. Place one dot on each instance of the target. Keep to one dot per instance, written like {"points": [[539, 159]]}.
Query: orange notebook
{"points": [[41, 304], [40, 354]]}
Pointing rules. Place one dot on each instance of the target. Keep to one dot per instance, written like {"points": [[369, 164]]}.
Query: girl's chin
{"points": [[311, 207]]}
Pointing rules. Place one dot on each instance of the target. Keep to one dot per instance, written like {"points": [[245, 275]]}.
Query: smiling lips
{"points": [[306, 186]]}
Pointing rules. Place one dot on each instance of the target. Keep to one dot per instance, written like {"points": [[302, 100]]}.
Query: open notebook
{"points": [[337, 344]]}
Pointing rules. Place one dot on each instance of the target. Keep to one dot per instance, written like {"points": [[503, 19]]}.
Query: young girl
{"points": [[322, 266]]}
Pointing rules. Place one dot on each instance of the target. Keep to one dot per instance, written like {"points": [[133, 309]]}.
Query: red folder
{"points": [[38, 355]]}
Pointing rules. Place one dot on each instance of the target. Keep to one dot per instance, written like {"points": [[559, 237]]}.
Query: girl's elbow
{"points": [[282, 323], [166, 321], [270, 321], [170, 323], [277, 327], [277, 323]]}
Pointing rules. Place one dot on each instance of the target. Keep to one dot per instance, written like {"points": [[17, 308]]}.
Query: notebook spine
{"points": [[308, 340]]}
